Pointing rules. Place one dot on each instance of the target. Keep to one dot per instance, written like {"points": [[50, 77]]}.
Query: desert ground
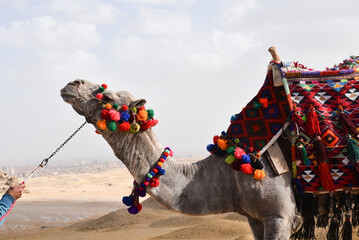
{"points": [[88, 206]]}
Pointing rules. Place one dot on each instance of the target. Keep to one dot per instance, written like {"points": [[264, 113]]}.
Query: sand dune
{"points": [[88, 206]]}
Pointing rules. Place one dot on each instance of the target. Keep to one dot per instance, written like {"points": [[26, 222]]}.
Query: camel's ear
{"points": [[137, 103]]}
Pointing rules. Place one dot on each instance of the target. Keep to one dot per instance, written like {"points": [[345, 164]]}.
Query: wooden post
{"points": [[273, 52], [277, 75]]}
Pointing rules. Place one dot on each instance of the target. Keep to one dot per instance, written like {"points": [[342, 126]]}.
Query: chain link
{"points": [[46, 160]]}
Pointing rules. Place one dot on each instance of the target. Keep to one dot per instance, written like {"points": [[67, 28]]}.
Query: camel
{"points": [[209, 186]]}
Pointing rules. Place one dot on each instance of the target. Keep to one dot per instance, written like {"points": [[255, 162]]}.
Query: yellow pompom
{"points": [[160, 164], [222, 144], [108, 106], [259, 174], [102, 124]]}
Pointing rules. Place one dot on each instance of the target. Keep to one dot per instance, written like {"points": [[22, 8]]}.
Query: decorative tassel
{"points": [[347, 123], [333, 232], [345, 201], [299, 186], [355, 211], [310, 210], [323, 168], [323, 220], [312, 123], [303, 153], [346, 233], [353, 150]]}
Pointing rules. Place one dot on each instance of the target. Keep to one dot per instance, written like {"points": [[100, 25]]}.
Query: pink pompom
{"points": [[171, 153], [239, 152], [114, 115], [99, 96]]}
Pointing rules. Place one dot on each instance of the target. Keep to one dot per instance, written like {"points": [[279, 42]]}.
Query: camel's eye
{"points": [[108, 97]]}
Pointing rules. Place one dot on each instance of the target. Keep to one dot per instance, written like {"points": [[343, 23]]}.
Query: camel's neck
{"points": [[188, 188]]}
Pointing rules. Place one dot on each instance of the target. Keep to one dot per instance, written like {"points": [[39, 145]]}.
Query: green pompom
{"points": [[230, 150], [150, 113], [101, 89], [115, 106], [112, 126], [134, 110], [257, 105], [230, 159]]}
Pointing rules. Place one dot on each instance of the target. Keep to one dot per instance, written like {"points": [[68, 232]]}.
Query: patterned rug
{"points": [[324, 92], [263, 116]]}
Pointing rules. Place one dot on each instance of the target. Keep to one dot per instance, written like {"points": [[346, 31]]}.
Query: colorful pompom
{"points": [[236, 165], [124, 108], [123, 127], [114, 115], [246, 159], [112, 126], [259, 174], [101, 89], [230, 150], [104, 85], [150, 113], [108, 106], [247, 168], [239, 152], [125, 116], [230, 159], [116, 106], [222, 144], [154, 182], [134, 127], [99, 96], [142, 115], [215, 139], [104, 114], [101, 124], [146, 125], [154, 122], [128, 200]]}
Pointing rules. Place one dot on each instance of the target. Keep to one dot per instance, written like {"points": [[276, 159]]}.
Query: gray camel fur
{"points": [[209, 186]]}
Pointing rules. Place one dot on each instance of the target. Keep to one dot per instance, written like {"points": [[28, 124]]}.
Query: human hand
{"points": [[16, 191]]}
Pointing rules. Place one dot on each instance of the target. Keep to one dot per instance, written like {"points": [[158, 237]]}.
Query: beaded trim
{"points": [[151, 179]]}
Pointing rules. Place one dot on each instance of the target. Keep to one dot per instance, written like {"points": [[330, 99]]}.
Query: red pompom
{"points": [[124, 108], [247, 168], [104, 86], [141, 108], [146, 125], [105, 114], [155, 170], [139, 207], [162, 160], [97, 132], [125, 126], [154, 122], [215, 139], [99, 96], [154, 182]]}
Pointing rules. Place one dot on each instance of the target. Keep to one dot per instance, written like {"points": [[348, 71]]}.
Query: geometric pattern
{"points": [[325, 93], [256, 127]]}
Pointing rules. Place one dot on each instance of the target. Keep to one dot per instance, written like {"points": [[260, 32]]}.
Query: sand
{"points": [[88, 206]]}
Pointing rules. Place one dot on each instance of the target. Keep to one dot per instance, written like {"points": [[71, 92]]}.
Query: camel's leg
{"points": [[257, 228], [276, 228]]}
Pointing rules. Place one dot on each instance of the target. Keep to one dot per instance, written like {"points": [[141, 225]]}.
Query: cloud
{"points": [[46, 32], [163, 23], [233, 10]]}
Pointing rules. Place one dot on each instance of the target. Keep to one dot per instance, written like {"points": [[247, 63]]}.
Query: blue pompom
{"points": [[223, 133], [209, 147], [125, 116], [233, 118], [128, 201], [246, 159], [164, 157], [141, 193], [161, 172]]}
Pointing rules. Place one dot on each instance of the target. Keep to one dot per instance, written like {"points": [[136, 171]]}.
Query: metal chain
{"points": [[46, 160]]}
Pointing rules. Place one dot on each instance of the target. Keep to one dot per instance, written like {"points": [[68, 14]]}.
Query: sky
{"points": [[196, 62]]}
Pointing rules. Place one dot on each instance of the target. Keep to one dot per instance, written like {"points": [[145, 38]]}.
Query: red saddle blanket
{"points": [[326, 91]]}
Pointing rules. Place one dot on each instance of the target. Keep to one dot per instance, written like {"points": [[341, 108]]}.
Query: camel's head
{"points": [[81, 95]]}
